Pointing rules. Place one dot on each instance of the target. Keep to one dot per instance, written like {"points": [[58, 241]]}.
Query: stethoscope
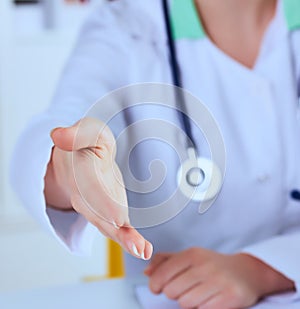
{"points": [[198, 178]]}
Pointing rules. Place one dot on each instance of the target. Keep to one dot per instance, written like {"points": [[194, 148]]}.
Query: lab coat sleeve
{"points": [[283, 254], [96, 66]]}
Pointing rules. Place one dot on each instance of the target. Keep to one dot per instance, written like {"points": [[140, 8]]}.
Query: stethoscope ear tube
{"points": [[199, 179], [176, 76]]}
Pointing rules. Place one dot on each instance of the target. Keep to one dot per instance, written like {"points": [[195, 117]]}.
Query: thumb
{"points": [[85, 133]]}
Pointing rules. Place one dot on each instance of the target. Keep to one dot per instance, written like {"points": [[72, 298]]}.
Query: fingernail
{"points": [[151, 250], [135, 251], [143, 256], [115, 225]]}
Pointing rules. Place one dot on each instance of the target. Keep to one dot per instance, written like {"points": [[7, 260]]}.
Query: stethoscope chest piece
{"points": [[199, 178]]}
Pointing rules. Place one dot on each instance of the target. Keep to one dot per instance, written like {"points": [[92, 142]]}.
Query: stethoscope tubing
{"points": [[177, 78]]}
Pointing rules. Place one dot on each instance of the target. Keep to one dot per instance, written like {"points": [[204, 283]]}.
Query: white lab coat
{"points": [[124, 42]]}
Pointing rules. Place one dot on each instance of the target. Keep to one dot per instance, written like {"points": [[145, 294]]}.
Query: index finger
{"points": [[167, 270], [156, 261]]}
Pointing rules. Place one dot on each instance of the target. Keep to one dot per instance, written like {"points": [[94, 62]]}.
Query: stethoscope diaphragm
{"points": [[199, 178]]}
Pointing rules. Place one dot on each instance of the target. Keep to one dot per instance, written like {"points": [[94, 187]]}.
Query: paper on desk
{"points": [[150, 301]]}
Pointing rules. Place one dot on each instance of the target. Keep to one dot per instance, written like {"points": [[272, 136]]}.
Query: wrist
{"points": [[56, 181], [265, 279]]}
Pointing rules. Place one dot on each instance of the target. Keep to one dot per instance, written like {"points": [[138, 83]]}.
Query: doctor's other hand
{"points": [[82, 175], [204, 279]]}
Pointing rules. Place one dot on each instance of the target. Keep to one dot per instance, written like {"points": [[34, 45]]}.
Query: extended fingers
{"points": [[128, 237], [103, 195], [135, 243]]}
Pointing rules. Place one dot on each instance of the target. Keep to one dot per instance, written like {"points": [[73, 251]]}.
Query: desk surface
{"points": [[102, 294], [112, 294]]}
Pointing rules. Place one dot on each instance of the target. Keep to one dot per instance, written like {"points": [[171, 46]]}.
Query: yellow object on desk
{"points": [[115, 261]]}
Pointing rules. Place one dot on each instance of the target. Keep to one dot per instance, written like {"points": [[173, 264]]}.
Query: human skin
{"points": [[199, 278], [221, 281], [72, 184]]}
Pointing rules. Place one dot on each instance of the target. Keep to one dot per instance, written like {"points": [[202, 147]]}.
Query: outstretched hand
{"points": [[83, 175]]}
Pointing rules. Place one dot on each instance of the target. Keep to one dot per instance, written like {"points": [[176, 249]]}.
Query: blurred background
{"points": [[36, 38]]}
